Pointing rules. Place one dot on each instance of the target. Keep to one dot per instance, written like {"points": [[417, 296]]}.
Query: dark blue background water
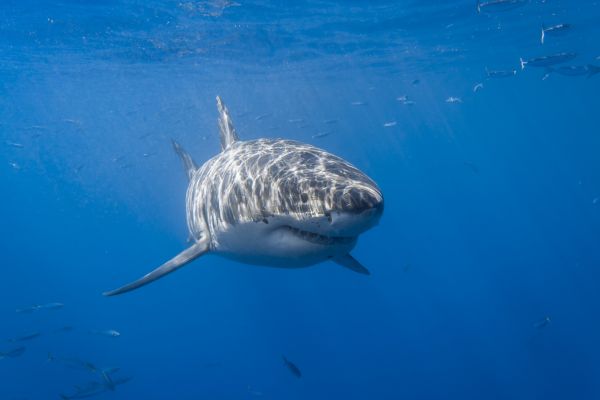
{"points": [[492, 218]]}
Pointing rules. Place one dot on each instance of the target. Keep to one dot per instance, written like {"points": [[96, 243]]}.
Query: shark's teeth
{"points": [[319, 239]]}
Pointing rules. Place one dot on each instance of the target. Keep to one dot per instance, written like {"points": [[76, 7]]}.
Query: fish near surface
{"points": [[506, 73], [491, 6], [548, 61], [554, 30], [37, 307], [25, 337], [273, 202], [576, 70]]}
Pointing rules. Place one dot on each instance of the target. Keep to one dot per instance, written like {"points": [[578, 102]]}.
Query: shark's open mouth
{"points": [[320, 239]]}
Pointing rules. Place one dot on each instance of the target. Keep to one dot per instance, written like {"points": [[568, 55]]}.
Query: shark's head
{"points": [[283, 202]]}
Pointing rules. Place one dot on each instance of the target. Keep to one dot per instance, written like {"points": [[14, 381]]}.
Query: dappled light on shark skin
{"points": [[476, 278], [277, 203]]}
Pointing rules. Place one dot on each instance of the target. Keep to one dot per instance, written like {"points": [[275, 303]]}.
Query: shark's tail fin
{"points": [[188, 163]]}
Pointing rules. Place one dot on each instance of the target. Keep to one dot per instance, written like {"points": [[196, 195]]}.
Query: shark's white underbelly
{"points": [[280, 246]]}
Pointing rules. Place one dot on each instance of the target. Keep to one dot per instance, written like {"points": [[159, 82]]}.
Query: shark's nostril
{"points": [[357, 200]]}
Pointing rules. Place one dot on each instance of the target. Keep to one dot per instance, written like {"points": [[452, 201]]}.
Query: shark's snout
{"points": [[358, 199], [358, 209]]}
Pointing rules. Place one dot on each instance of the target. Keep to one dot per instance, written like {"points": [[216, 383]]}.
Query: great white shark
{"points": [[272, 202]]}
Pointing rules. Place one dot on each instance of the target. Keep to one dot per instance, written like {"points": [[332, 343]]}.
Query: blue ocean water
{"points": [[484, 265]]}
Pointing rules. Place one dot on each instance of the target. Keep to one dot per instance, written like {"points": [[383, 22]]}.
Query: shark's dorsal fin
{"points": [[189, 164], [228, 133]]}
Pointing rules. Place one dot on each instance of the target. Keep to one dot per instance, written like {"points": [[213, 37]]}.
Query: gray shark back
{"points": [[254, 180]]}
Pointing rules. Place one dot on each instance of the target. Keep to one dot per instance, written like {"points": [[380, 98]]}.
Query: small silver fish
{"points": [[474, 168], [453, 99], [292, 367], [507, 73], [548, 61], [554, 30], [51, 306], [14, 144], [498, 5], [73, 363], [542, 323], [106, 376], [37, 307], [477, 87], [12, 353], [254, 392], [321, 134], [358, 103], [109, 332], [26, 337], [90, 389], [576, 70], [36, 127], [262, 116], [72, 121], [389, 124], [404, 100]]}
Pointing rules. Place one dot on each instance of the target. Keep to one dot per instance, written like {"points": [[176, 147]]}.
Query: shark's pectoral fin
{"points": [[347, 261], [176, 262]]}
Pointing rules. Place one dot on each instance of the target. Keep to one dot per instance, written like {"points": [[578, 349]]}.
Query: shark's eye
{"points": [[304, 197]]}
